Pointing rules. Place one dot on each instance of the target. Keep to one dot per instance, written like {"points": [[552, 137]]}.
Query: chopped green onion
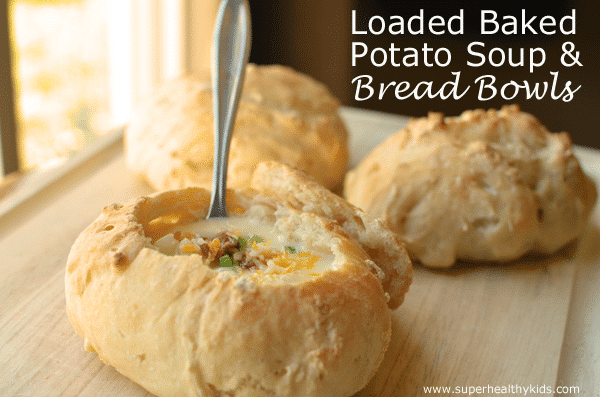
{"points": [[242, 242], [226, 261], [256, 239], [290, 249]]}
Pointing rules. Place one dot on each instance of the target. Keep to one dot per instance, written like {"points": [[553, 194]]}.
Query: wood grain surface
{"points": [[477, 325]]}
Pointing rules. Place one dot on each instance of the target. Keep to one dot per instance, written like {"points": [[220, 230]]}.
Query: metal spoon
{"points": [[231, 47]]}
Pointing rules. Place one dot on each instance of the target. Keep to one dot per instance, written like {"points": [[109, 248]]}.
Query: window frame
{"points": [[8, 131]]}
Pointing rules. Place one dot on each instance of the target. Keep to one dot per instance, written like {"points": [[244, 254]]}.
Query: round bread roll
{"points": [[283, 116], [484, 186], [272, 301]]}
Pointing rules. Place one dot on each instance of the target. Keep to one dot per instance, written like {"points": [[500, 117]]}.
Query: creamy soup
{"points": [[245, 246]]}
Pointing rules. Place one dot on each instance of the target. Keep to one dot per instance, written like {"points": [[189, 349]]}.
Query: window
{"points": [[60, 64], [80, 66]]}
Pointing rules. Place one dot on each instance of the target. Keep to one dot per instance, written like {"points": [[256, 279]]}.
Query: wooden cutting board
{"points": [[475, 326]]}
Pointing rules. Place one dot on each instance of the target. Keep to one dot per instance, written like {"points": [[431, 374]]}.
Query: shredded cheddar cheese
{"points": [[263, 258]]}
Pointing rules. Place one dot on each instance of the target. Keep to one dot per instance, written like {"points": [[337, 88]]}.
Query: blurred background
{"points": [[315, 37], [79, 67]]}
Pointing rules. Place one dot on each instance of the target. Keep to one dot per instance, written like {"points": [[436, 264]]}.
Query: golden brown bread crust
{"points": [[283, 116], [487, 185], [177, 327]]}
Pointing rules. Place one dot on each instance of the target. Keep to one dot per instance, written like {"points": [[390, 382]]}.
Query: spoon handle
{"points": [[231, 47]]}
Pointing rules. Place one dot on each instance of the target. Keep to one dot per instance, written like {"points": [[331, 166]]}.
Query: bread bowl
{"points": [[176, 322], [487, 186], [283, 116]]}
